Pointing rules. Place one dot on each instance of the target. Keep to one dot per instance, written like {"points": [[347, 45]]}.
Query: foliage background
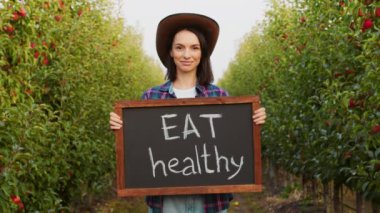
{"points": [[62, 66], [63, 63], [316, 66]]}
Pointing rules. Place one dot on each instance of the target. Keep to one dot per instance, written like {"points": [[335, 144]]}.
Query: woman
{"points": [[184, 43]]}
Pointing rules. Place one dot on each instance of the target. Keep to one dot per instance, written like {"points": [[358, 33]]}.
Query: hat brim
{"points": [[172, 23]]}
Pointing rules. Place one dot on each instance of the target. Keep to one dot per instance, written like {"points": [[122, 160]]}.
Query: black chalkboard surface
{"points": [[188, 146]]}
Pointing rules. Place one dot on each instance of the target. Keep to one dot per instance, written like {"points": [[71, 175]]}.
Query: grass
{"points": [[123, 205]]}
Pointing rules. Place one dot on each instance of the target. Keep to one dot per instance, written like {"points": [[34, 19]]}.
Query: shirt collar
{"points": [[168, 87]]}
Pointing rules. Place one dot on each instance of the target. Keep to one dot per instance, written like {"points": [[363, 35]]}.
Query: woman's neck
{"points": [[185, 81]]}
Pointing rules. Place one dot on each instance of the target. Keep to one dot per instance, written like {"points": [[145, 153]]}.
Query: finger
{"points": [[259, 112], [260, 122], [116, 120], [115, 127], [263, 117], [113, 123], [260, 118], [258, 115], [262, 109], [114, 115]]}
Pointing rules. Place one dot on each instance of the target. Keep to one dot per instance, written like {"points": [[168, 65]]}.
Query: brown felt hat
{"points": [[171, 24]]}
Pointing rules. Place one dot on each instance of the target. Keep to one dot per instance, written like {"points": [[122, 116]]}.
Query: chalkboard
{"points": [[188, 146]]}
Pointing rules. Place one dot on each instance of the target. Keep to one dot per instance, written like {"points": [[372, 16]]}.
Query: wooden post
{"points": [[359, 202], [337, 198], [325, 195]]}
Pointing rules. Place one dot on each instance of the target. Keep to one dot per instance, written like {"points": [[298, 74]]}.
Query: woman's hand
{"points": [[115, 121], [259, 116]]}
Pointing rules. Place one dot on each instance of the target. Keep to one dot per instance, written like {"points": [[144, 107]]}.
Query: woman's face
{"points": [[186, 51]]}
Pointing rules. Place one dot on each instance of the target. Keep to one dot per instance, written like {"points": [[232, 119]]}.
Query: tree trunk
{"points": [[272, 177], [313, 191], [326, 196], [359, 202], [336, 198], [375, 207]]}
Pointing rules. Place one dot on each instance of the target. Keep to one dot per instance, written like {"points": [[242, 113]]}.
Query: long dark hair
{"points": [[204, 69]]}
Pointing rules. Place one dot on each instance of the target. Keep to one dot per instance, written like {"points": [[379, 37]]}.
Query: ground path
{"points": [[242, 203]]}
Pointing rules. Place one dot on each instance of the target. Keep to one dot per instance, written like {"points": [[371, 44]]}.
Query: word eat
{"points": [[189, 127]]}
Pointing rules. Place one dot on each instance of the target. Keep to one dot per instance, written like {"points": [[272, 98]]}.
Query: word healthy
{"points": [[201, 160]]}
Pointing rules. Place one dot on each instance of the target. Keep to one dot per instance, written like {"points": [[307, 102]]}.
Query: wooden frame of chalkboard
{"points": [[130, 163]]}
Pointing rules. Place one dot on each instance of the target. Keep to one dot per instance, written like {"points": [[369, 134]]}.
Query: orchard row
{"points": [[63, 63], [316, 67]]}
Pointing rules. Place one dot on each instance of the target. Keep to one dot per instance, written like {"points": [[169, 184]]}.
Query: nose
{"points": [[187, 53]]}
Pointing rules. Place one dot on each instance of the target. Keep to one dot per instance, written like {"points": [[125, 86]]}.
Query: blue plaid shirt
{"points": [[212, 202]]}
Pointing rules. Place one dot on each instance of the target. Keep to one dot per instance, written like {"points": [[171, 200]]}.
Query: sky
{"points": [[235, 18]]}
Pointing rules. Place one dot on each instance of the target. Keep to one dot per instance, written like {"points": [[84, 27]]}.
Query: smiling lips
{"points": [[186, 63]]}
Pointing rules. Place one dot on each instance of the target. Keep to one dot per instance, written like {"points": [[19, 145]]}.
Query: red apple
{"points": [[36, 54], [58, 18], [9, 28], [367, 24], [45, 61], [61, 4], [347, 155], [22, 12], [15, 199], [360, 12], [80, 12], [44, 44], [377, 12], [28, 91], [352, 103], [375, 129], [52, 45], [303, 19], [15, 16]]}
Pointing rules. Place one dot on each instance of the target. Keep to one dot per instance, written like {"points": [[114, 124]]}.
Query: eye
{"points": [[178, 47]]}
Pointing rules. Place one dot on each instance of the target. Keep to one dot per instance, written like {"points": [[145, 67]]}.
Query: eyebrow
{"points": [[180, 44]]}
